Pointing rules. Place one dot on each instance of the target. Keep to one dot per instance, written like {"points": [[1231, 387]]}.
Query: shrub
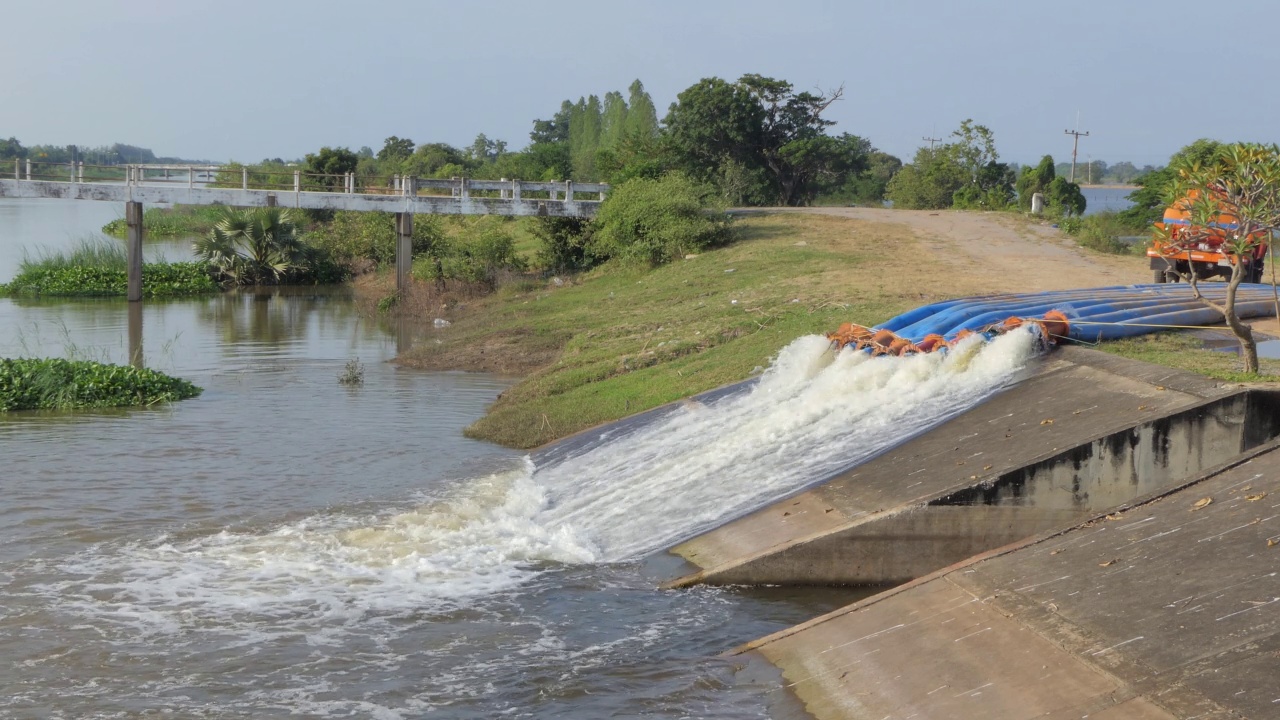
{"points": [[564, 243], [57, 384], [1064, 197], [478, 257], [656, 221], [1101, 232], [355, 238]]}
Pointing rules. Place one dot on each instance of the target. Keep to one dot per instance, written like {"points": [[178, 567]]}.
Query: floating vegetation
{"points": [[58, 384]]}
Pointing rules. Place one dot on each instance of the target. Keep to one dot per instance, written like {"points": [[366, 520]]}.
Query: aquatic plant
{"points": [[58, 279], [352, 373], [58, 384]]}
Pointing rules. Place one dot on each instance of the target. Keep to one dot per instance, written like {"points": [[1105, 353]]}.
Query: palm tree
{"points": [[255, 246]]}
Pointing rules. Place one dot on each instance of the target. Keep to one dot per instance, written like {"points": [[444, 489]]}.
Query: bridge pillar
{"points": [[135, 335], [133, 252], [404, 251]]}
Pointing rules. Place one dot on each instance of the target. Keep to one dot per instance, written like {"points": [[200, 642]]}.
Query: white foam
{"points": [[812, 413]]}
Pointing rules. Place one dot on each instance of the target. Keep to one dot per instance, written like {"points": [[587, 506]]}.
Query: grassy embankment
{"points": [[619, 340], [57, 384], [1182, 351], [98, 268]]}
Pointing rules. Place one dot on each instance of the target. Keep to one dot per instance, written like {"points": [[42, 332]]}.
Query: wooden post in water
{"points": [[135, 335], [404, 251], [133, 252]]}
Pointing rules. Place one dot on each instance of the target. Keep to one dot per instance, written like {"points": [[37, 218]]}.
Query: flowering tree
{"points": [[1232, 202]]}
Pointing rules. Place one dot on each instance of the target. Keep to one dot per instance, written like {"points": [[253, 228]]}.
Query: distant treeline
{"points": [[1098, 172], [116, 154]]}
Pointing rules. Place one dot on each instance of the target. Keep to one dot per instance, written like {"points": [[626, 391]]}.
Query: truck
{"points": [[1172, 258]]}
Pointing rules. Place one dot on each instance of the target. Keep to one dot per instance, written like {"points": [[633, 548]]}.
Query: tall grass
{"points": [[177, 221], [88, 251]]}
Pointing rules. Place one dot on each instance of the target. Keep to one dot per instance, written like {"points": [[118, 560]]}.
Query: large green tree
{"points": [[329, 165], [760, 141]]}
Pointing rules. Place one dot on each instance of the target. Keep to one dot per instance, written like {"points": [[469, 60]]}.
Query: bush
{"points": [[479, 257], [57, 384], [158, 280], [1101, 232], [355, 238], [656, 221], [564, 243], [1064, 197]]}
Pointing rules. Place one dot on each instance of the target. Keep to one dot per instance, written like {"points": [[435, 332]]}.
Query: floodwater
{"points": [[284, 545], [1106, 199]]}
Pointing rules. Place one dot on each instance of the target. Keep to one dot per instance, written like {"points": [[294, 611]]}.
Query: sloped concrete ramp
{"points": [[1088, 431], [1169, 608]]}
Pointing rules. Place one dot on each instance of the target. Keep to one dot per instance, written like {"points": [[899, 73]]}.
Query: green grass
{"points": [[1184, 352], [622, 339], [87, 252], [57, 384], [177, 221]]}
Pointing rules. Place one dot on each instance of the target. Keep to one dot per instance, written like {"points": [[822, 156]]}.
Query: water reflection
{"points": [[135, 335]]}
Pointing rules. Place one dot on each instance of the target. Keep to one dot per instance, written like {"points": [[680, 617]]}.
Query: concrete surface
{"points": [[1054, 448], [1168, 608]]}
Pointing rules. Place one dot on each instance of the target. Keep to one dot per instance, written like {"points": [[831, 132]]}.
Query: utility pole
{"points": [[931, 141], [1074, 147]]}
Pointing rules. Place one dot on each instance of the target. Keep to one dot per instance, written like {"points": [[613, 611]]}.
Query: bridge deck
{"points": [[460, 203]]}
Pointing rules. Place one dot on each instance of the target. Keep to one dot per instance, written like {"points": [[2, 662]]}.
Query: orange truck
{"points": [[1172, 259]]}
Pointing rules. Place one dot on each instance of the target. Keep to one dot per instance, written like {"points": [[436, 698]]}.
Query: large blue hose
{"points": [[1121, 311]]}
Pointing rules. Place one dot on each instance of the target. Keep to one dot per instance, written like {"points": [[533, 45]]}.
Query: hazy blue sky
{"points": [[247, 79]]}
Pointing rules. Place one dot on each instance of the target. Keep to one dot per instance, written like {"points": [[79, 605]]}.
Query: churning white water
{"points": [[814, 412]]}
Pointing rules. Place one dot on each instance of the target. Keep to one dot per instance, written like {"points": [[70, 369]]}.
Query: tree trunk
{"points": [[1248, 346]]}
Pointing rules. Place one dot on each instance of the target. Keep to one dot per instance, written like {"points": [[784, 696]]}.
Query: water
{"points": [[1106, 199], [284, 545]]}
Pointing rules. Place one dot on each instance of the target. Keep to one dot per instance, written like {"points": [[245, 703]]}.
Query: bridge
{"points": [[403, 195]]}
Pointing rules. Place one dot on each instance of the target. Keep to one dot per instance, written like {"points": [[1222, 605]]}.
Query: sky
{"points": [[250, 79]]}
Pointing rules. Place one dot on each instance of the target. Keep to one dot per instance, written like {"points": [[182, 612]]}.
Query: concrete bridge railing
{"points": [[245, 186]]}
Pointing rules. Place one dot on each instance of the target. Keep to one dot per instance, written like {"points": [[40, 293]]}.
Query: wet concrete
{"points": [[1167, 607], [1086, 432]]}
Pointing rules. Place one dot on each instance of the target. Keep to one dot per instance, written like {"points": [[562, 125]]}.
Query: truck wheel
{"points": [[1255, 271], [1160, 277]]}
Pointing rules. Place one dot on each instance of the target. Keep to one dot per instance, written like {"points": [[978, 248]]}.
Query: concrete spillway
{"points": [[1086, 432]]}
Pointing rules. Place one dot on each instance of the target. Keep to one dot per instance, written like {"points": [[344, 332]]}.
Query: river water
{"points": [[284, 545]]}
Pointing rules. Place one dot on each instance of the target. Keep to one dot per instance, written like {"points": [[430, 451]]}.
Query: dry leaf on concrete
{"points": [[1202, 502], [1255, 498], [1109, 562]]}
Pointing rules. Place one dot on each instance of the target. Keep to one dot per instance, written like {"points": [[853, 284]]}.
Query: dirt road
{"points": [[1003, 252]]}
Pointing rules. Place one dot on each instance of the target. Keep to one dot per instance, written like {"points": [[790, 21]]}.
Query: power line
{"points": [[1074, 147], [931, 141]]}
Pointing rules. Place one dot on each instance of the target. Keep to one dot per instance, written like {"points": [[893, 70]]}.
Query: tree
{"points": [[1153, 187], [395, 148], [252, 247], [584, 137], [613, 121], [483, 150], [11, 148], [1035, 180], [964, 173], [1064, 197], [761, 139], [332, 163], [1233, 198], [642, 116], [929, 182]]}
